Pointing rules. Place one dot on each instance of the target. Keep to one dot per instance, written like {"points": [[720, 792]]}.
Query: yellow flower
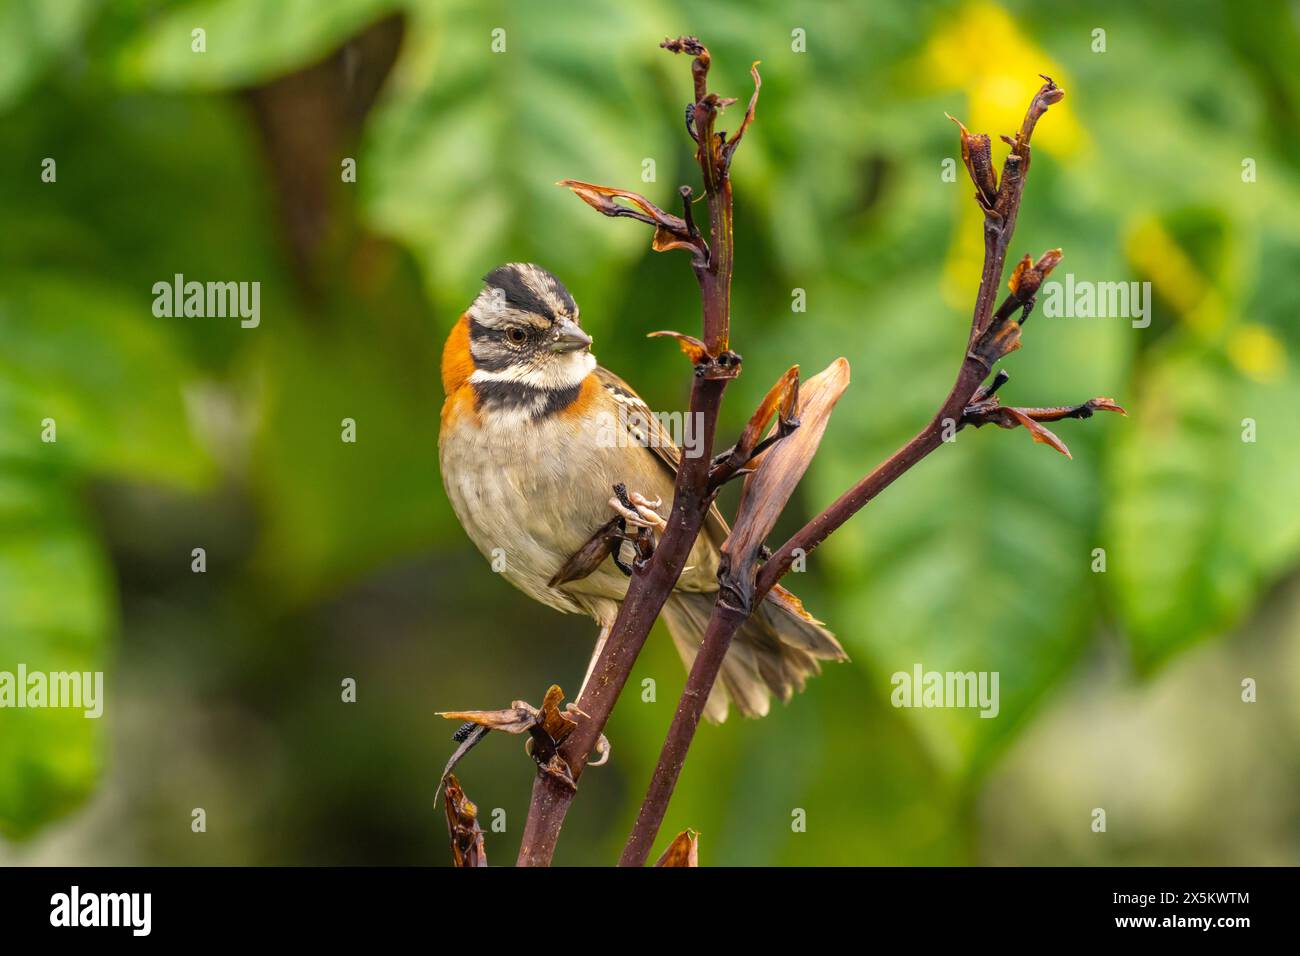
{"points": [[983, 52], [1257, 352]]}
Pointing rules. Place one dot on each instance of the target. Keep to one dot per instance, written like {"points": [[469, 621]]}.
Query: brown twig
{"points": [[992, 336], [652, 583], [987, 409], [771, 470], [463, 828], [547, 726]]}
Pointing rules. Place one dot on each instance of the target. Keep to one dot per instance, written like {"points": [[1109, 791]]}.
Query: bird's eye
{"points": [[516, 335]]}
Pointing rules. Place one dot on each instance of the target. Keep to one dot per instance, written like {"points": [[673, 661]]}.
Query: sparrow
{"points": [[534, 437]]}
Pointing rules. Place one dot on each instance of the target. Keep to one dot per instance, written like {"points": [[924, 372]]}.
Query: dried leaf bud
{"points": [[683, 851], [976, 153]]}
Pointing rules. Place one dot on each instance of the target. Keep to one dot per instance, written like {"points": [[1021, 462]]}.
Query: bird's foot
{"points": [[602, 745], [639, 511]]}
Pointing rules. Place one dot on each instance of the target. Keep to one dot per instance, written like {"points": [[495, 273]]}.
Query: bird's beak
{"points": [[567, 337]]}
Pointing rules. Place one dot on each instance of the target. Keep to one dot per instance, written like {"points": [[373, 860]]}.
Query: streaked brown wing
{"points": [[658, 440]]}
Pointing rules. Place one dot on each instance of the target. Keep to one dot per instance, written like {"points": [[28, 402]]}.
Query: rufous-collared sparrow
{"points": [[534, 437]]}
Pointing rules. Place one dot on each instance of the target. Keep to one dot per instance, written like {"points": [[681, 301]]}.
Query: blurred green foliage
{"points": [[329, 560]]}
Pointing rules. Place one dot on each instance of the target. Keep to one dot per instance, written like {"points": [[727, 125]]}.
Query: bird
{"points": [[533, 437]]}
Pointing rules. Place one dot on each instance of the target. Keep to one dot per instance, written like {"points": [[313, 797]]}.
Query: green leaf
{"points": [[335, 509], [1200, 519], [56, 606], [33, 33], [105, 369], [245, 41], [462, 157]]}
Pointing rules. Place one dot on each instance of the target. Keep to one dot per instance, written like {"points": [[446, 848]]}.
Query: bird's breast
{"points": [[530, 496]]}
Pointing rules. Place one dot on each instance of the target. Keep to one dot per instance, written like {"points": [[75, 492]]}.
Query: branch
{"points": [[463, 828], [993, 335], [671, 232], [990, 410], [653, 581], [765, 494], [547, 727]]}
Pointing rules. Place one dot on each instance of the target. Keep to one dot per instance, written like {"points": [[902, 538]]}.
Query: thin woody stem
{"points": [[726, 619], [692, 496], [645, 598]]}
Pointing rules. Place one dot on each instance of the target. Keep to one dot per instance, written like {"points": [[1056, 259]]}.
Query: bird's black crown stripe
{"points": [[562, 293], [520, 295]]}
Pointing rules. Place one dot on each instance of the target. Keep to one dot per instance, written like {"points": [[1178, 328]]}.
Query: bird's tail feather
{"points": [[774, 651]]}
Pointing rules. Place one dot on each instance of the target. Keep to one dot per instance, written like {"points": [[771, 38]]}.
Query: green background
{"points": [[325, 560]]}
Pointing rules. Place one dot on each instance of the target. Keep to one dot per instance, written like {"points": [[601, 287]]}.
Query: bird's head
{"points": [[523, 329]]}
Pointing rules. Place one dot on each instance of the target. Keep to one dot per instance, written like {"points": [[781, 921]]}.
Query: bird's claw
{"points": [[639, 511], [603, 748]]}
